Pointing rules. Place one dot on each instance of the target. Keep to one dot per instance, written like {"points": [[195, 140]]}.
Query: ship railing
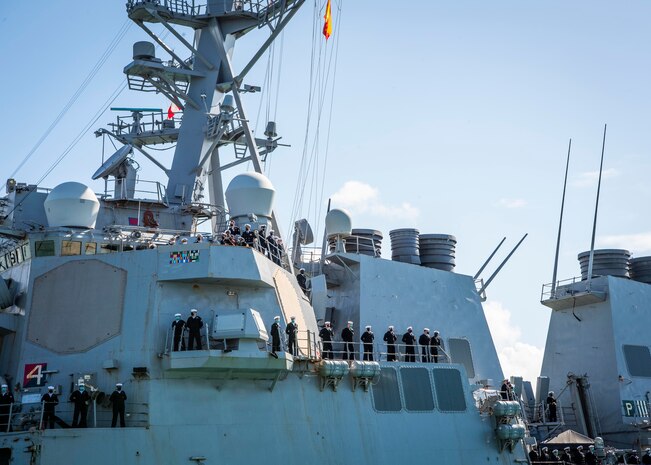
{"points": [[567, 288], [150, 122], [380, 352], [184, 7], [184, 343], [25, 417], [118, 189], [540, 413]]}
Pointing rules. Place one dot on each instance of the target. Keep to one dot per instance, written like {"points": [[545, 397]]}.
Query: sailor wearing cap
{"points": [[118, 398], [248, 235], [390, 338], [367, 339], [579, 456], [423, 342], [275, 336], [326, 336], [565, 456], [435, 344], [544, 455], [292, 334], [302, 280], [6, 399], [348, 336], [591, 457], [551, 406], [646, 458], [49, 400], [178, 325], [194, 325], [81, 399], [409, 340]]}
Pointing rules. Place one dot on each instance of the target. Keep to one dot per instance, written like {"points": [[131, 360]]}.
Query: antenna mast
{"points": [[596, 209], [560, 222]]}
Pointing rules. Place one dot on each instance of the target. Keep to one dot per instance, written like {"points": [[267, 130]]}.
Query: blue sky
{"points": [[452, 117]]}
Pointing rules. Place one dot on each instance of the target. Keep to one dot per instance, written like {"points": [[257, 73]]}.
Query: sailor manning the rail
{"points": [[390, 338], [49, 400], [118, 398], [326, 336], [194, 325], [275, 336], [81, 399], [551, 405], [409, 339], [6, 399], [435, 344], [292, 333], [423, 342], [302, 280], [367, 338], [347, 335], [178, 325]]}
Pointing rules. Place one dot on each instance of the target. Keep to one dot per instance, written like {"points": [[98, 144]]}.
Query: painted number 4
{"points": [[34, 375]]}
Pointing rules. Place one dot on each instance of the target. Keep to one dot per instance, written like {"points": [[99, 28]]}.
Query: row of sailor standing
{"points": [[430, 346]]}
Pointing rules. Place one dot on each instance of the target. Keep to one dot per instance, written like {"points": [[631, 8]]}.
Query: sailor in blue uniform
{"points": [[409, 340], [6, 399], [435, 344], [49, 400], [292, 334], [367, 339], [347, 335], [81, 399], [423, 342], [194, 325], [302, 280], [178, 325], [118, 398], [326, 336], [390, 338], [275, 336]]}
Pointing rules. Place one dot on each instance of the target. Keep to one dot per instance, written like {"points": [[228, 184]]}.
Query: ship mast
{"points": [[196, 85]]}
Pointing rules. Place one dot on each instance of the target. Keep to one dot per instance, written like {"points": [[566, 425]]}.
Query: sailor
{"points": [[555, 457], [194, 325], [544, 455], [49, 400], [302, 280], [178, 325], [81, 399], [504, 390], [367, 339], [435, 344], [409, 339], [326, 336], [646, 458], [118, 397], [551, 406], [233, 229], [292, 333], [275, 336], [184, 240], [199, 238], [262, 239], [272, 245], [579, 456], [347, 335], [248, 235], [227, 238], [423, 342], [6, 399], [390, 338], [565, 456], [591, 457], [281, 249], [632, 458], [533, 454]]}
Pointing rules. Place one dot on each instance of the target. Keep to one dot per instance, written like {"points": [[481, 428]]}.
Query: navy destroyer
{"points": [[97, 292]]}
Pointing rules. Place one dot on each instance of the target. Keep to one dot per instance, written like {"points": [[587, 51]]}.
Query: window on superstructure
{"points": [[460, 353], [70, 248], [638, 360], [44, 248], [90, 248], [417, 389], [107, 248], [449, 390], [386, 395]]}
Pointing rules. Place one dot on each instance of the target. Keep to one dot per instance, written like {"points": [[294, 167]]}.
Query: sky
{"points": [[451, 117]]}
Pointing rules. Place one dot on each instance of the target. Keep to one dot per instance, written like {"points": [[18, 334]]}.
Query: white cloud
{"points": [[359, 197], [590, 178], [516, 357], [638, 243], [512, 203]]}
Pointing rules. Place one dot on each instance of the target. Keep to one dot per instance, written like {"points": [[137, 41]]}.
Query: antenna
{"points": [[501, 265], [489, 258], [596, 209], [560, 222]]}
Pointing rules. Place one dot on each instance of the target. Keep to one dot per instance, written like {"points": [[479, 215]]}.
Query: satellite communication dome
{"points": [[250, 193], [338, 222], [71, 204]]}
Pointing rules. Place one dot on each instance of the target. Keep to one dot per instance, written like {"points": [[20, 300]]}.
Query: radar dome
{"points": [[71, 204], [338, 222], [250, 193]]}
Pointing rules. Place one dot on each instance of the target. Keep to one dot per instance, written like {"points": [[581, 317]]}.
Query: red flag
{"points": [[171, 110], [327, 25]]}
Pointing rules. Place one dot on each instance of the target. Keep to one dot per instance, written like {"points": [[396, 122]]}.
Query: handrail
{"points": [[339, 351]]}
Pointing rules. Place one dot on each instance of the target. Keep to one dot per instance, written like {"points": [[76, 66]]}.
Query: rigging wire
{"points": [[88, 79]]}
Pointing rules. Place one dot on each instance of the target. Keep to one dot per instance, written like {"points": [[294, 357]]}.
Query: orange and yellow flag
{"points": [[327, 25]]}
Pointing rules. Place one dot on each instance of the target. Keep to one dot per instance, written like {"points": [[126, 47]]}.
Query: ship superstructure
{"points": [[91, 284]]}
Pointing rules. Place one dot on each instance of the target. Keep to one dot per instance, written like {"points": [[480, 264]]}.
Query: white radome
{"points": [[250, 193], [71, 204]]}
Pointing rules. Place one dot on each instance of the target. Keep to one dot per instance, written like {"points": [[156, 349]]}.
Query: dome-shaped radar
{"points": [[250, 193], [71, 204], [338, 222]]}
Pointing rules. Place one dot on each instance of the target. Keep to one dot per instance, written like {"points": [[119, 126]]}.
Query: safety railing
{"points": [[182, 344], [119, 189], [150, 122], [342, 350], [26, 417], [567, 288], [185, 7]]}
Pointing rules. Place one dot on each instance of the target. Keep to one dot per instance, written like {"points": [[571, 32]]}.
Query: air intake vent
{"points": [[607, 262], [641, 269], [404, 246], [437, 251]]}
